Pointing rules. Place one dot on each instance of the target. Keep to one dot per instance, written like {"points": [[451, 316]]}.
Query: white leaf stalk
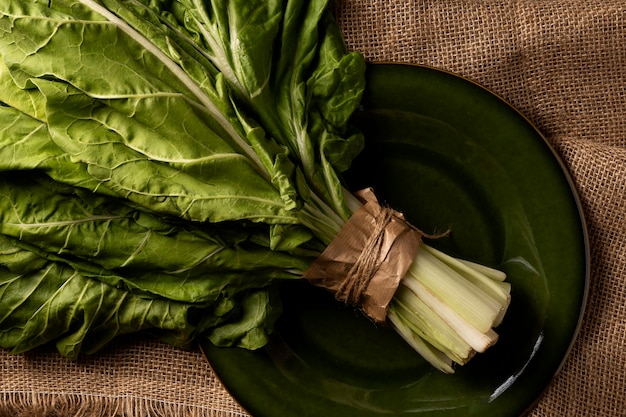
{"points": [[446, 308]]}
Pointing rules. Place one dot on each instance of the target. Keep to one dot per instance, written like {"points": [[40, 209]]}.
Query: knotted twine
{"points": [[364, 264]]}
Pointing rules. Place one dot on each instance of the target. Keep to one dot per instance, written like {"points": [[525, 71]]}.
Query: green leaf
{"points": [[113, 242], [179, 137], [258, 315], [56, 303], [163, 162], [288, 60]]}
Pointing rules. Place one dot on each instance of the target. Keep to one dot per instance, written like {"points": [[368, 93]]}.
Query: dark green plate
{"points": [[450, 155]]}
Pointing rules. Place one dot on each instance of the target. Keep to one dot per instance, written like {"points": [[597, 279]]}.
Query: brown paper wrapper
{"points": [[368, 258]]}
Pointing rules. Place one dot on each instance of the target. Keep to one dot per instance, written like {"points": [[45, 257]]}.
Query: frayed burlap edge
{"points": [[37, 404]]}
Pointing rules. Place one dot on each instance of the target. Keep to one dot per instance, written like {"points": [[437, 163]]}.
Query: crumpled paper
{"points": [[364, 264]]}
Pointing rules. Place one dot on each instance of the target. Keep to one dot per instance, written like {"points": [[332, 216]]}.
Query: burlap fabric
{"points": [[562, 63]]}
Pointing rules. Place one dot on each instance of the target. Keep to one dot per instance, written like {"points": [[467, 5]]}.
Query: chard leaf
{"points": [[289, 62], [163, 162], [25, 142], [181, 137], [46, 301], [58, 303], [255, 324], [127, 248]]}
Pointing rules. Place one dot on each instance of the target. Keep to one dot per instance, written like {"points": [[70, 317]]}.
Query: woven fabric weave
{"points": [[562, 64]]}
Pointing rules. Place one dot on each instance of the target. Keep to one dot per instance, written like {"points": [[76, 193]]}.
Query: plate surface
{"points": [[451, 156]]}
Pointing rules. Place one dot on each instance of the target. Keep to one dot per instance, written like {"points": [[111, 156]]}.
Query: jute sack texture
{"points": [[561, 63]]}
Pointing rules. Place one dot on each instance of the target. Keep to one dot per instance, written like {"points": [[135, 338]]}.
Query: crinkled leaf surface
{"points": [[289, 62], [128, 248], [143, 126], [162, 162], [54, 302]]}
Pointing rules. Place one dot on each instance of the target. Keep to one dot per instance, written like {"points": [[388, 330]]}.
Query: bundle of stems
{"points": [[163, 162], [446, 308]]}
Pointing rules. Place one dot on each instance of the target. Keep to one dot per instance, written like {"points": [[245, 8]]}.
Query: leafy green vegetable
{"points": [[303, 93], [162, 182], [163, 162], [100, 235], [91, 119], [45, 300]]}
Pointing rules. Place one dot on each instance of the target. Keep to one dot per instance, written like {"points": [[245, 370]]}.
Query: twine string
{"points": [[367, 263]]}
